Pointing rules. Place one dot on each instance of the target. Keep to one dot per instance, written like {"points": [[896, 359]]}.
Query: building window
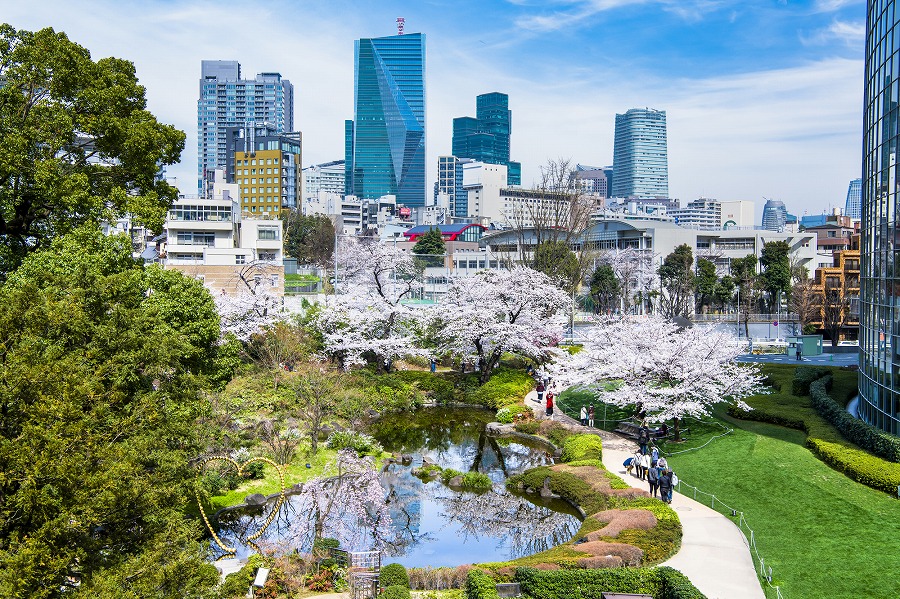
{"points": [[274, 280], [253, 163], [240, 259], [268, 233]]}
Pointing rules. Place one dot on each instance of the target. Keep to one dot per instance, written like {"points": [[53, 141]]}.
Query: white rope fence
{"points": [[727, 430], [763, 571]]}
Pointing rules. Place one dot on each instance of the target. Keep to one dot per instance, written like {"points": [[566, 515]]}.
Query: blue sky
{"points": [[763, 97]]}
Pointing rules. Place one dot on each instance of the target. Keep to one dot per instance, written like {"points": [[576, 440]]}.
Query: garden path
{"points": [[714, 553]]}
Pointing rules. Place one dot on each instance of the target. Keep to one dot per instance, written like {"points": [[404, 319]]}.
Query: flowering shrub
{"points": [[362, 443]]}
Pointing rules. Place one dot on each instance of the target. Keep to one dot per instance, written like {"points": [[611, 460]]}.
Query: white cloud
{"points": [[851, 33], [833, 5]]}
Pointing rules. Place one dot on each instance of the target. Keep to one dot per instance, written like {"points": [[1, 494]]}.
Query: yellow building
{"points": [[267, 170], [836, 289]]}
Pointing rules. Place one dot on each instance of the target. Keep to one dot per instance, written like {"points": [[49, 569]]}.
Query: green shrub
{"points": [[558, 434], [804, 377], [436, 386], [505, 415], [360, 442], [582, 447], [660, 583], [480, 585], [529, 427], [858, 465], [477, 481], [448, 473], [505, 387], [395, 592], [323, 544], [564, 484], [394, 575], [853, 429]]}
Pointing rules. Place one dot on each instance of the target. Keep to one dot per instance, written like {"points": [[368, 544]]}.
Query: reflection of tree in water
{"points": [[527, 528], [404, 499]]}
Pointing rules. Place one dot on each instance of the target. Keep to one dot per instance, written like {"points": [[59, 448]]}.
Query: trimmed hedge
{"points": [[395, 591], [661, 583], [853, 429], [858, 465], [582, 447], [393, 575], [480, 585], [804, 376]]}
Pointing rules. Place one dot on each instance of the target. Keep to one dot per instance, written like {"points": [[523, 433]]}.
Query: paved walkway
{"points": [[714, 553]]}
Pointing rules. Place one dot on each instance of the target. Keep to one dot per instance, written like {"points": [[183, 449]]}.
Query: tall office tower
{"points": [[226, 100], [486, 138], [640, 157], [879, 313], [266, 165], [450, 183], [853, 207], [385, 141], [774, 215]]}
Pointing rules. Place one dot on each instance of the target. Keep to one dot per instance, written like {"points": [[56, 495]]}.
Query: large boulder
{"points": [[255, 499]]}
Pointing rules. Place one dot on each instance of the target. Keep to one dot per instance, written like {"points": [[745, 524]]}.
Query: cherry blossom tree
{"points": [[492, 312], [635, 273], [254, 307], [367, 317], [671, 372]]}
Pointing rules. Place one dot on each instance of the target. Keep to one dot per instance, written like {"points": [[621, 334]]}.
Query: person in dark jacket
{"points": [[643, 438], [653, 479], [540, 390], [665, 485]]}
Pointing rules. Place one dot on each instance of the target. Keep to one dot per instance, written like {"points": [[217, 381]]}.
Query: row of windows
{"points": [[248, 190], [268, 161], [262, 199]]}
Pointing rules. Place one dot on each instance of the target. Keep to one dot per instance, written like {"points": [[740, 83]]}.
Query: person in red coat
{"points": [[550, 403]]}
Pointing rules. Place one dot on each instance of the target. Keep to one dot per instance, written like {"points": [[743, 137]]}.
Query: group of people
{"points": [[648, 465], [545, 391]]}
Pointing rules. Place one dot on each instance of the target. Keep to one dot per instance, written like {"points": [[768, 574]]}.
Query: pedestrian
{"points": [[799, 352], [629, 464], [638, 465], [540, 391], [654, 454], [550, 404], [645, 465], [674, 484], [665, 484], [644, 438], [653, 479], [591, 416], [662, 463], [583, 416]]}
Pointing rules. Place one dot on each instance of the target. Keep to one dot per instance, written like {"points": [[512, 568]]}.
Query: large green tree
{"points": [[747, 280], [557, 260], [707, 282], [605, 289], [776, 275], [676, 276], [102, 363], [309, 238], [430, 246], [77, 144]]}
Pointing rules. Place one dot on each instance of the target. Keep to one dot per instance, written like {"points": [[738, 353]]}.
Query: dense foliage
{"points": [[102, 366], [661, 583], [393, 575], [309, 238], [78, 144], [431, 248], [480, 585]]}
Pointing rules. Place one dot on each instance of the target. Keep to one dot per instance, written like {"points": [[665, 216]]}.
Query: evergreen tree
{"points": [[707, 282], [430, 246], [309, 238], [557, 260], [677, 278], [604, 289], [776, 275]]}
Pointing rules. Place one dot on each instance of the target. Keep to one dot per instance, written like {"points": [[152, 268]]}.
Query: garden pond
{"points": [[432, 524]]}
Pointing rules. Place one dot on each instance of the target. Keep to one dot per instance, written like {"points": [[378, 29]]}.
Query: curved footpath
{"points": [[714, 553]]}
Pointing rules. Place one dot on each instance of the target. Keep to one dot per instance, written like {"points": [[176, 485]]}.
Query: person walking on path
{"points": [[665, 485], [644, 438], [654, 455], [645, 465], [799, 353], [591, 416], [583, 416], [653, 479], [638, 465], [662, 463], [550, 404], [540, 391]]}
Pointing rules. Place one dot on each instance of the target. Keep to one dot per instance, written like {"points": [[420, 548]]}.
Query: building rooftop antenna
{"points": [[400, 22]]}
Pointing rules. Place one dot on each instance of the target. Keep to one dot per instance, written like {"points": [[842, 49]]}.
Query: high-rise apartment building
{"points": [[328, 177], [640, 155], [879, 311], [486, 138], [385, 141], [853, 206], [226, 101], [450, 183], [266, 166], [774, 216]]}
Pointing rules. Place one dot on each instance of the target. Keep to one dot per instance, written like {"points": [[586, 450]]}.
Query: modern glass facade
{"points": [[450, 182], [385, 142], [774, 216], [226, 101], [879, 326], [640, 155], [486, 138], [853, 206]]}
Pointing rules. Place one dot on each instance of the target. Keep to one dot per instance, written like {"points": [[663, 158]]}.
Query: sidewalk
{"points": [[713, 554]]}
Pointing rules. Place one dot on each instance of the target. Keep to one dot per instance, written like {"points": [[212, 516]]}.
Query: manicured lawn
{"points": [[823, 534]]}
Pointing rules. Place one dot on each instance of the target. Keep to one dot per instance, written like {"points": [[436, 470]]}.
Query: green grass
{"points": [[296, 279]]}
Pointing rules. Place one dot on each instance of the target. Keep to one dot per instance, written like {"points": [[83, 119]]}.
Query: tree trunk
{"points": [[677, 429]]}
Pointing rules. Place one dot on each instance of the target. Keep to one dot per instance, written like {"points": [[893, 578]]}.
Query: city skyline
{"points": [[774, 114]]}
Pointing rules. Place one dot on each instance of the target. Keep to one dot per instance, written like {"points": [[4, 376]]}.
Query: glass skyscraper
{"points": [[853, 207], [226, 101], [385, 141], [486, 138], [879, 319], [774, 215], [640, 155]]}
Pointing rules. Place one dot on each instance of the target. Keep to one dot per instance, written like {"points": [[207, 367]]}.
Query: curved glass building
{"points": [[879, 331]]}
